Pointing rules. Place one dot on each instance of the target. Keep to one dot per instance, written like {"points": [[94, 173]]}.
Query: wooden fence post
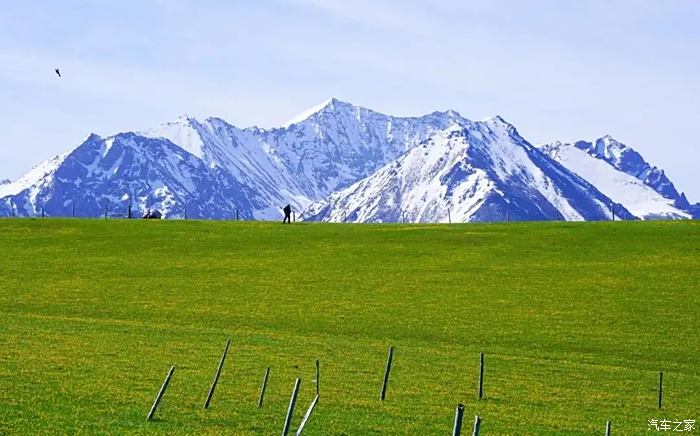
{"points": [[216, 377], [477, 425], [459, 414], [290, 410], [382, 394], [318, 378], [262, 389], [307, 415], [481, 376], [160, 394]]}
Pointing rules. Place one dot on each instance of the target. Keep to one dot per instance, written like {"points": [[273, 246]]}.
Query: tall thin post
{"points": [[318, 377], [449, 216], [185, 207], [128, 212], [382, 394], [345, 217], [612, 210], [661, 387], [160, 394], [236, 214], [72, 214], [105, 211], [481, 376], [477, 425], [216, 377], [459, 414], [290, 410], [42, 213], [507, 216], [608, 426], [264, 385], [307, 415]]}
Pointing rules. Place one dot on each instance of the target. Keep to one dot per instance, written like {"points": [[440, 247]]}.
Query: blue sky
{"points": [[556, 69]]}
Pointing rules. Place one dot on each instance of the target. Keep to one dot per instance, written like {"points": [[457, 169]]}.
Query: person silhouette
{"points": [[287, 214]]}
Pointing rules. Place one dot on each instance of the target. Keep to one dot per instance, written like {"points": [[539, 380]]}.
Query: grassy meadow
{"points": [[575, 319]]}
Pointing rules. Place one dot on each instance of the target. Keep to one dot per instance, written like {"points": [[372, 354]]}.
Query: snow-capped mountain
{"points": [[470, 171], [622, 174], [334, 159], [126, 170], [254, 172]]}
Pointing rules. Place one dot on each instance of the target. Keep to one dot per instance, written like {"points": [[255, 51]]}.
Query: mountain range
{"points": [[340, 162]]}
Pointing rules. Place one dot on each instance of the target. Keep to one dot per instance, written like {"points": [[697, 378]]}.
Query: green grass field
{"points": [[575, 320]]}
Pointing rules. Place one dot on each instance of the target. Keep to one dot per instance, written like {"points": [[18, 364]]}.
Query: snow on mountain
{"points": [[240, 154], [22, 194], [181, 132], [126, 169], [470, 171], [623, 175], [308, 113], [333, 159], [324, 149], [337, 143], [253, 171], [628, 160]]}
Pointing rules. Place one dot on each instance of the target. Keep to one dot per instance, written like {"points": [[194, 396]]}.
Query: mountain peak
{"points": [[609, 148], [331, 104], [183, 132], [624, 162], [497, 119]]}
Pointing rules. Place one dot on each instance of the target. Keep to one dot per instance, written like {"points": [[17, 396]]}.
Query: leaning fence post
{"points": [[307, 415], [608, 426], [459, 413], [262, 389], [160, 394], [661, 387], [216, 377], [481, 375], [477, 425], [382, 395], [290, 410]]}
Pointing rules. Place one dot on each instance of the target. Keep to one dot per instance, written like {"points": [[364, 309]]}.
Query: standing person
{"points": [[287, 214]]}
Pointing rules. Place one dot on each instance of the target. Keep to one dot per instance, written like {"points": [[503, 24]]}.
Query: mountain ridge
{"points": [[212, 169]]}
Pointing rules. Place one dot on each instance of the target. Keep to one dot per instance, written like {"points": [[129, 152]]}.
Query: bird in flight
{"points": [[58, 72]]}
